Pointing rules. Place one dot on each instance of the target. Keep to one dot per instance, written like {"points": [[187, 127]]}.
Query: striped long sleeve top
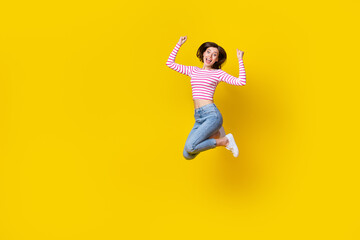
{"points": [[204, 81]]}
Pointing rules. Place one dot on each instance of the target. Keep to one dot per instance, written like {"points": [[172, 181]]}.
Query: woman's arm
{"points": [[241, 80], [175, 66]]}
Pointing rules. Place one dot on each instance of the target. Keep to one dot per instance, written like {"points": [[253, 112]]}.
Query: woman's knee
{"points": [[188, 156], [189, 148]]}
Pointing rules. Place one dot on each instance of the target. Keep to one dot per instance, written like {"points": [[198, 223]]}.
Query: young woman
{"points": [[207, 132]]}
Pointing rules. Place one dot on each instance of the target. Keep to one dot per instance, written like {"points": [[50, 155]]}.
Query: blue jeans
{"points": [[208, 120]]}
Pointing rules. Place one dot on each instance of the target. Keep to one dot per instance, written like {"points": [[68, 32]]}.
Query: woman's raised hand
{"points": [[240, 53], [182, 40]]}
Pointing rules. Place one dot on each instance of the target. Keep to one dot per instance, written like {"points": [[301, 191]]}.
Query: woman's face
{"points": [[211, 55]]}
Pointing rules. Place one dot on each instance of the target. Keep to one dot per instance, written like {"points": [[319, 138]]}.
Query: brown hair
{"points": [[221, 57]]}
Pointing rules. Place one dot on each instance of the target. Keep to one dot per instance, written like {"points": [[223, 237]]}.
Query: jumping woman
{"points": [[207, 132]]}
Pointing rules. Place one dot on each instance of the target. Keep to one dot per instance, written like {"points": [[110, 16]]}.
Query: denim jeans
{"points": [[208, 120]]}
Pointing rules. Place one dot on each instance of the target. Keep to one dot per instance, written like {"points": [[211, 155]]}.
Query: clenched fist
{"points": [[182, 40], [240, 53]]}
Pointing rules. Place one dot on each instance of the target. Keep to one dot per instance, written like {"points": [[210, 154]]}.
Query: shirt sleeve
{"points": [[178, 67], [240, 81]]}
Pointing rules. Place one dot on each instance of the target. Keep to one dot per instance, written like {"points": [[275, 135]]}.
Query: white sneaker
{"points": [[232, 145]]}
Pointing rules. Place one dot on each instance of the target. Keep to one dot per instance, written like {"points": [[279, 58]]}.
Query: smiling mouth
{"points": [[208, 61]]}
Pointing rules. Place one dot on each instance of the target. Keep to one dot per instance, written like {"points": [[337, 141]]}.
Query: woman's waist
{"points": [[198, 103]]}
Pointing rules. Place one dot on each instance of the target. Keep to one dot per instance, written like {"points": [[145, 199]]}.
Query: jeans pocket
{"points": [[212, 115], [212, 112]]}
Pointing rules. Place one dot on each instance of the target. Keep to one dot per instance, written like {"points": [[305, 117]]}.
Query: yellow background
{"points": [[93, 123]]}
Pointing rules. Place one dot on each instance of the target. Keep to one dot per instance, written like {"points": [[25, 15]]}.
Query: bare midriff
{"points": [[201, 102]]}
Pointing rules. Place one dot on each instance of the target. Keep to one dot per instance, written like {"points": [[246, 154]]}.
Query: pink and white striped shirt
{"points": [[204, 81]]}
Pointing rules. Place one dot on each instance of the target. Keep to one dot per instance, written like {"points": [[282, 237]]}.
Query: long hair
{"points": [[222, 54]]}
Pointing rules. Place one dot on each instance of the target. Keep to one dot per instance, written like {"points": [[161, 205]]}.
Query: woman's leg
{"points": [[219, 134], [219, 142], [220, 138], [187, 155], [215, 135], [222, 141], [199, 140], [208, 126]]}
